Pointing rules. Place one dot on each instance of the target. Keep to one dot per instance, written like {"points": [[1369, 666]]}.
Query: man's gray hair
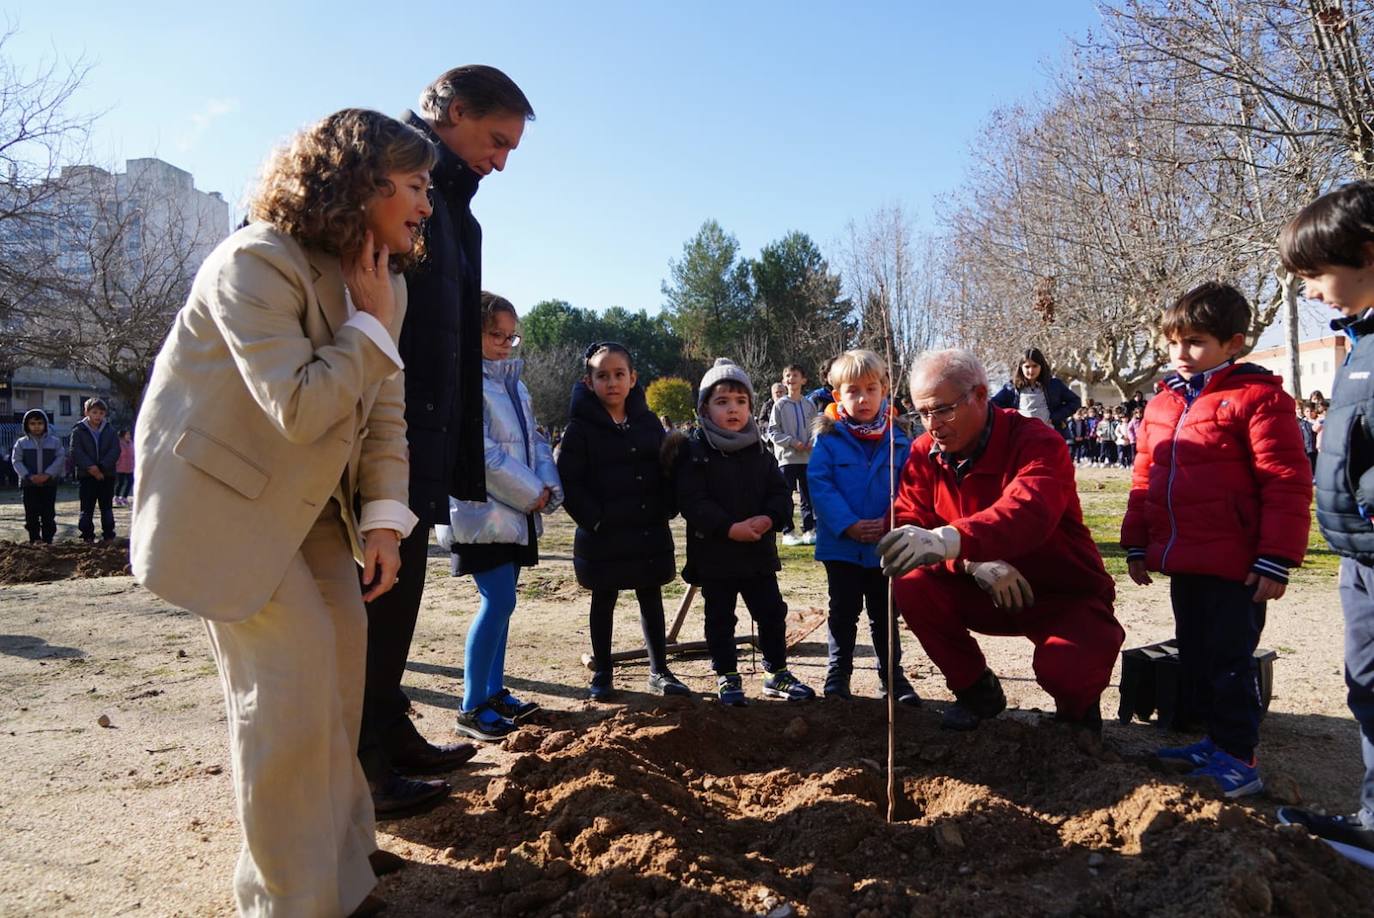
{"points": [[482, 90], [953, 365]]}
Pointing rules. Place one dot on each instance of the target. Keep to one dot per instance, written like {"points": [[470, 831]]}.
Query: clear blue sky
{"points": [[652, 117]]}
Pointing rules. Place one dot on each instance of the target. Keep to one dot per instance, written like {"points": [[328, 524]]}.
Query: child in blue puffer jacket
{"points": [[858, 455], [493, 539]]}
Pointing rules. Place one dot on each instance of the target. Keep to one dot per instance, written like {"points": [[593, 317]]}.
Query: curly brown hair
{"points": [[315, 187]]}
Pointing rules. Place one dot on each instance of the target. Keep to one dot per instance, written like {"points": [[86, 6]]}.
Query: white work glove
{"points": [[909, 547], [1004, 583]]}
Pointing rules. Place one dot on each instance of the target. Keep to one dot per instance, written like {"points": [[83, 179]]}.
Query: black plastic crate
{"points": [[1152, 686]]}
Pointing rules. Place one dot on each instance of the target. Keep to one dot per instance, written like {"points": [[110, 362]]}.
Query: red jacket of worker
{"points": [[1221, 486], [1017, 503]]}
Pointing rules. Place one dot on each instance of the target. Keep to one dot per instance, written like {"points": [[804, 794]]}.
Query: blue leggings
{"points": [[484, 660]]}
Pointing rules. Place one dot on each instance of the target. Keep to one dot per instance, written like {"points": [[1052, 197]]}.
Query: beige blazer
{"points": [[262, 403]]}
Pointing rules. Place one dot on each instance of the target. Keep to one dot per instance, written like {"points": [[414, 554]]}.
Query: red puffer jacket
{"points": [[1221, 486], [1018, 503]]}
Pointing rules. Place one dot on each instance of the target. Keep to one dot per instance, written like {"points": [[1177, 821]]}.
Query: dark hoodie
{"points": [[615, 490], [91, 446], [38, 455]]}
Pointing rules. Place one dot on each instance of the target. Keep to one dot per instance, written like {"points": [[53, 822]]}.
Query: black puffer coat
{"points": [[441, 344], [615, 490], [714, 491]]}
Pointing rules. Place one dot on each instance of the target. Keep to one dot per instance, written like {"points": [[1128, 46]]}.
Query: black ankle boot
{"points": [[983, 700]]}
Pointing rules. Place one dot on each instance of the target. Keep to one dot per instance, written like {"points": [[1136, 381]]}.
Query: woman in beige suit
{"points": [[272, 440]]}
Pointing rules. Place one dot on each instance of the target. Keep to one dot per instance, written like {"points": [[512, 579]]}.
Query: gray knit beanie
{"points": [[724, 369]]}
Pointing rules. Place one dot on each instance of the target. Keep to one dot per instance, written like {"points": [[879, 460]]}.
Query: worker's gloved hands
{"points": [[908, 547], [1004, 583]]}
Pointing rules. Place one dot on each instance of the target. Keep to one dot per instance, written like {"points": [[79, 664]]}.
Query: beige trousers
{"points": [[293, 681]]}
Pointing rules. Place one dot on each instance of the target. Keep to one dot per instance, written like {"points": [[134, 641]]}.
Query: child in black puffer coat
{"points": [[617, 494]]}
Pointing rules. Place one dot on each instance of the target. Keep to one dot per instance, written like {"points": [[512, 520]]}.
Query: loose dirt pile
{"points": [[24, 562], [696, 812]]}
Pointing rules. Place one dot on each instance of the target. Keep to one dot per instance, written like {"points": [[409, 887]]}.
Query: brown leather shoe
{"points": [[384, 862], [425, 758], [370, 905]]}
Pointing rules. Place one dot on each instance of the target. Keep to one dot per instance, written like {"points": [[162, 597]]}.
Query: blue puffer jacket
{"points": [[519, 465], [1061, 400], [1345, 464], [848, 485]]}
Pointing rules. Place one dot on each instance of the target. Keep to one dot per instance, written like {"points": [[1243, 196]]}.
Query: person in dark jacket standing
{"points": [[615, 490], [1330, 245], [476, 116], [95, 452], [1037, 393], [734, 499]]}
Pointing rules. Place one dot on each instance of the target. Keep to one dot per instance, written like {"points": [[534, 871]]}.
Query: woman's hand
{"points": [[381, 561], [368, 276]]}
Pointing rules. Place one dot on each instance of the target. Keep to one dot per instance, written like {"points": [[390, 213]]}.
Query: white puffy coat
{"points": [[519, 466]]}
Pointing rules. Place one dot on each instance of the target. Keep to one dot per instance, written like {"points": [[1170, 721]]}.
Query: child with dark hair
{"points": [[1219, 502], [95, 451], [493, 539], [733, 498], [38, 459], [1330, 244], [619, 497], [1036, 393], [789, 431]]}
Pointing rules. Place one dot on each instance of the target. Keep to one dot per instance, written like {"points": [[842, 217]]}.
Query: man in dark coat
{"points": [[475, 115]]}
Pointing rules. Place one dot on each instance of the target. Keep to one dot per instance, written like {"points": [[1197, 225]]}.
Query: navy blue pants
{"points": [[764, 601], [851, 587], [795, 476], [1218, 627], [1357, 602], [92, 491]]}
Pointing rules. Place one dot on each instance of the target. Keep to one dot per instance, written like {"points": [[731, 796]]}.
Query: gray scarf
{"points": [[729, 441]]}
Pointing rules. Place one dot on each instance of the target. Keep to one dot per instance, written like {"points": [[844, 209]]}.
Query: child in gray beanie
{"points": [[733, 497]]}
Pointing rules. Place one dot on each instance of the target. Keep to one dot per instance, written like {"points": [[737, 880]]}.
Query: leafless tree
{"points": [[118, 256]]}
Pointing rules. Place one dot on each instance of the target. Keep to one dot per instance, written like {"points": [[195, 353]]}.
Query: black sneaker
{"points": [[665, 683], [782, 684], [837, 685], [470, 723], [510, 707], [730, 689], [1347, 834], [905, 691], [602, 686], [983, 700]]}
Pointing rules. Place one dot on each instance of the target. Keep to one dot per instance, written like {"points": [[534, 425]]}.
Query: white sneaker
{"points": [[809, 538], [790, 539]]}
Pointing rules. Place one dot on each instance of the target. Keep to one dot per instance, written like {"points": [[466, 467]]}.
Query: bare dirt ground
{"points": [[646, 808]]}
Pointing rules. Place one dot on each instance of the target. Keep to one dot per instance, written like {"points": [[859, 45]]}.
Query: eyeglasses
{"points": [[497, 338], [941, 413]]}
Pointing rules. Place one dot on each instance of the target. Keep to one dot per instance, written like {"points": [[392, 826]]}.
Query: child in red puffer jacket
{"points": [[1219, 501]]}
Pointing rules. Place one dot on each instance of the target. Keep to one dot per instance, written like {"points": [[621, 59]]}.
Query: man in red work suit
{"points": [[990, 538]]}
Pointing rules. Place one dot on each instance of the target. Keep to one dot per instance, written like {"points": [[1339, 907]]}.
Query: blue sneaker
{"points": [[730, 689], [1196, 755], [782, 684], [1234, 777]]}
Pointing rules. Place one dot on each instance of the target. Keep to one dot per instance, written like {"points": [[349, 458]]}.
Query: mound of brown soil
{"points": [[22, 562], [698, 811]]}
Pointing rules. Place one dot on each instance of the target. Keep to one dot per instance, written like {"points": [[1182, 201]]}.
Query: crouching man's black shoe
{"points": [[394, 797], [983, 700]]}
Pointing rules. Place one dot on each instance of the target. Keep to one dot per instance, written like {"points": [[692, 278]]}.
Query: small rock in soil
{"points": [[1283, 788], [103, 720], [556, 741], [786, 910], [948, 837], [503, 795], [796, 729], [1096, 859], [522, 741]]}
